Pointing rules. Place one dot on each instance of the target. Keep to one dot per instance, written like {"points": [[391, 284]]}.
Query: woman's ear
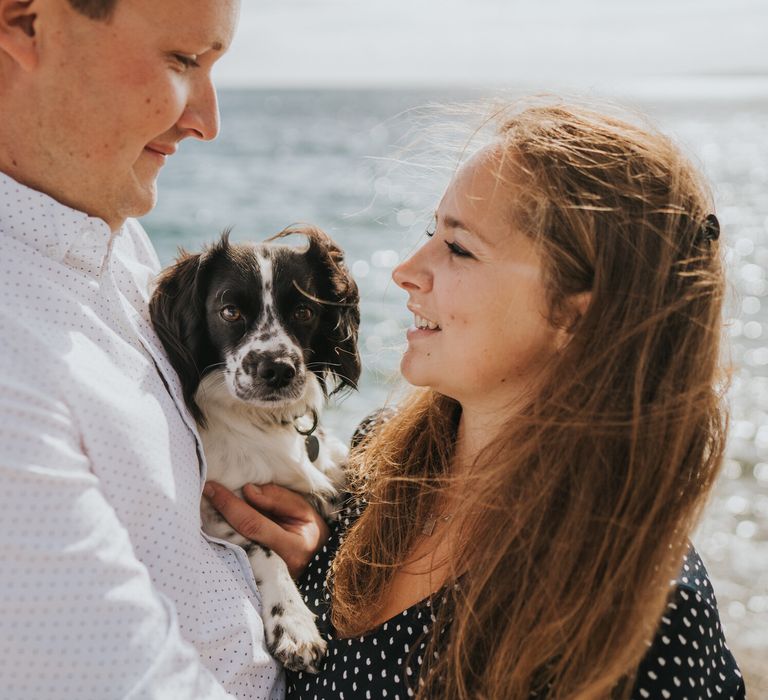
{"points": [[574, 309], [18, 32], [579, 303]]}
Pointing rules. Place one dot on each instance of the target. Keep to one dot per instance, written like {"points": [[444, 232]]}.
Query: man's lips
{"points": [[161, 148], [159, 151]]}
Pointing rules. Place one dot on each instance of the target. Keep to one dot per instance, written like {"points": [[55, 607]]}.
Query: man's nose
{"points": [[200, 118]]}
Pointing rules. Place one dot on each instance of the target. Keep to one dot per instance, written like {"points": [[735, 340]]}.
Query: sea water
{"points": [[353, 163]]}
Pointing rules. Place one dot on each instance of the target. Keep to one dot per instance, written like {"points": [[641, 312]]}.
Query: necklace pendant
{"points": [[429, 526], [312, 445]]}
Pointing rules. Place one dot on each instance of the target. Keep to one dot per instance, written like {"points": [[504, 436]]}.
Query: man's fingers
{"points": [[279, 501], [245, 519]]}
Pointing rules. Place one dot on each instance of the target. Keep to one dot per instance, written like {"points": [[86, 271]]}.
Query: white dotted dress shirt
{"points": [[108, 588]]}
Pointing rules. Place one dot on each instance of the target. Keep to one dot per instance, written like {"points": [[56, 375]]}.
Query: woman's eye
{"points": [[302, 314], [186, 61], [457, 250], [230, 313], [431, 228]]}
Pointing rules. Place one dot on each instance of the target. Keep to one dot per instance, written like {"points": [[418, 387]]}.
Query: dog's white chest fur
{"points": [[273, 329], [248, 444]]}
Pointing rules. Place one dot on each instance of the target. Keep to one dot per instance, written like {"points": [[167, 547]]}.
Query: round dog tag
{"points": [[313, 447]]}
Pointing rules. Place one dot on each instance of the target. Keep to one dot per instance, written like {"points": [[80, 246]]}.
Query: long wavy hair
{"points": [[576, 516]]}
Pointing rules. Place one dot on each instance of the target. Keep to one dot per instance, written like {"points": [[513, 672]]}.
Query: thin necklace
{"points": [[432, 520]]}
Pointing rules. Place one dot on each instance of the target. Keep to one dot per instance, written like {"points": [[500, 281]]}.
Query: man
{"points": [[108, 589]]}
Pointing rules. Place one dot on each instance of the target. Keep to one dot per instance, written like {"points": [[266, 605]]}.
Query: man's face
{"points": [[115, 98]]}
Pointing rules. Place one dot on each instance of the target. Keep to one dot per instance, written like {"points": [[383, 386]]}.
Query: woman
{"points": [[518, 519]]}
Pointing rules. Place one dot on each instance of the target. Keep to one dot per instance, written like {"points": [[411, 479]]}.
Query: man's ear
{"points": [[18, 40]]}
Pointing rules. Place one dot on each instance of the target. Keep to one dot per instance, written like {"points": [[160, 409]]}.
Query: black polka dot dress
{"points": [[689, 657], [687, 660], [381, 664]]}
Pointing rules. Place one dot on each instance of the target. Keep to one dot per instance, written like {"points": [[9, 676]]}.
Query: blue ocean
{"points": [[362, 166]]}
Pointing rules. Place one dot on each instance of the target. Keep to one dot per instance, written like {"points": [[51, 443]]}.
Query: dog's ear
{"points": [[341, 314], [177, 310]]}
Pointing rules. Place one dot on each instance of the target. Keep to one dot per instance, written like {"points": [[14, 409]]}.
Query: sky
{"points": [[481, 43]]}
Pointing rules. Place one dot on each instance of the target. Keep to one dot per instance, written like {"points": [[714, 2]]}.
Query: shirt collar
{"points": [[52, 228]]}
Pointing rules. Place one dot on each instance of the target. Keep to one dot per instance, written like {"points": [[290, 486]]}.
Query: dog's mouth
{"points": [[261, 393]]}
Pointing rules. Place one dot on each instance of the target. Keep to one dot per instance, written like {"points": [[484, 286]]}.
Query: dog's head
{"points": [[265, 314]]}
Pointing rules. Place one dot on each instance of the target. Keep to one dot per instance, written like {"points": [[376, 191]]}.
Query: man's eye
{"points": [[303, 314], [186, 61], [230, 313], [457, 250]]}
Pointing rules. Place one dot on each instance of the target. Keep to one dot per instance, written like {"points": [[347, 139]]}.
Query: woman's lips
{"points": [[422, 327], [422, 322], [414, 333]]}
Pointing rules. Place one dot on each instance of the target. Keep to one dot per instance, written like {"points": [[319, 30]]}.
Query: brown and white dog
{"points": [[260, 335]]}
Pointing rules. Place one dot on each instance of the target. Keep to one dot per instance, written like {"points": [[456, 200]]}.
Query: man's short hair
{"points": [[95, 9]]}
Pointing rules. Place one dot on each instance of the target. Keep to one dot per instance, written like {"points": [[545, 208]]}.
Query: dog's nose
{"points": [[276, 373]]}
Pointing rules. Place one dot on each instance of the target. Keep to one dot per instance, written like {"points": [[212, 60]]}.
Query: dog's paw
{"points": [[293, 639]]}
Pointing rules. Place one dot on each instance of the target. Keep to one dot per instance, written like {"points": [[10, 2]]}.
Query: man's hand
{"points": [[277, 518]]}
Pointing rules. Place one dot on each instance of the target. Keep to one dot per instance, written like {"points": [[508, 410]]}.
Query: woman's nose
{"points": [[412, 274]]}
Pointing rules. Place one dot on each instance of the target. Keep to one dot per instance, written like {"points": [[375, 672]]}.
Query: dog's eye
{"points": [[302, 314], [230, 313]]}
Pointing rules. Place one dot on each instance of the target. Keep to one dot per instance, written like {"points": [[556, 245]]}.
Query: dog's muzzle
{"points": [[269, 377], [276, 372]]}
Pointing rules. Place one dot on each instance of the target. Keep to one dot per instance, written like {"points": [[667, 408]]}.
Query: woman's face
{"points": [[476, 289]]}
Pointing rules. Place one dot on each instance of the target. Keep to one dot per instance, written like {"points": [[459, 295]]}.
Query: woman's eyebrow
{"points": [[453, 223], [450, 222]]}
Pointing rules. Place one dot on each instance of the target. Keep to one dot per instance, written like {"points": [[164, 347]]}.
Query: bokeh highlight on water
{"points": [[329, 158]]}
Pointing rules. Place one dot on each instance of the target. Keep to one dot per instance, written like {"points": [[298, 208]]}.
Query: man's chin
{"points": [[146, 206], [143, 200]]}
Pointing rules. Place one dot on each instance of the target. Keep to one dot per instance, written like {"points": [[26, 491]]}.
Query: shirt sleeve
{"points": [[689, 657], [79, 616]]}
